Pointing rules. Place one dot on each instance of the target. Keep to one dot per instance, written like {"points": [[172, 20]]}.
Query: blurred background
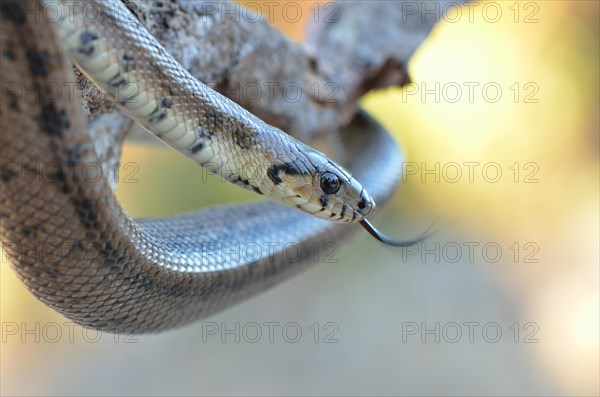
{"points": [[500, 130]]}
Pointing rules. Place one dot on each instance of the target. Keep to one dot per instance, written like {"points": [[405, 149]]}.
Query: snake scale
{"points": [[77, 250]]}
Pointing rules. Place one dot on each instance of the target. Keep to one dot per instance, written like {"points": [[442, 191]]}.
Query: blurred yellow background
{"points": [[532, 115]]}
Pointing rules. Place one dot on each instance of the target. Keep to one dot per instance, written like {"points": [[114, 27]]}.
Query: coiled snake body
{"points": [[74, 246]]}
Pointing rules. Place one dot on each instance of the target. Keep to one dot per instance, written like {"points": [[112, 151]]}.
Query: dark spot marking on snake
{"points": [[114, 260], [158, 114], [287, 168], [240, 180], [166, 103], [246, 184], [61, 181], [273, 174], [128, 62], [201, 134], [87, 37], [85, 211], [38, 62], [13, 10], [159, 117], [52, 121], [324, 199], [88, 50], [197, 147], [117, 80], [291, 169], [244, 139], [213, 115], [343, 211]]}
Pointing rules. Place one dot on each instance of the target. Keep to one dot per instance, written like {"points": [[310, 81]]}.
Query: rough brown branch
{"points": [[354, 47]]}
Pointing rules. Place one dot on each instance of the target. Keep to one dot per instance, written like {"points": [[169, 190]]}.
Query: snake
{"points": [[78, 251]]}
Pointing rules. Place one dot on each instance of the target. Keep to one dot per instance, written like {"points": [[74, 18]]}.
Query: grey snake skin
{"points": [[77, 250]]}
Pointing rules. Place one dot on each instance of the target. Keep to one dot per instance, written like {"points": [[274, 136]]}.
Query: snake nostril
{"points": [[365, 205]]}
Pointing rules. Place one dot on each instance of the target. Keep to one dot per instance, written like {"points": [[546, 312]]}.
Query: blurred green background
{"points": [[540, 130]]}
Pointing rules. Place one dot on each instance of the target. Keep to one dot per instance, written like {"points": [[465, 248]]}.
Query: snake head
{"points": [[324, 189], [341, 197]]}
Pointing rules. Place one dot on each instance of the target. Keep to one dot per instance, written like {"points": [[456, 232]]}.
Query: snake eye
{"points": [[330, 183]]}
